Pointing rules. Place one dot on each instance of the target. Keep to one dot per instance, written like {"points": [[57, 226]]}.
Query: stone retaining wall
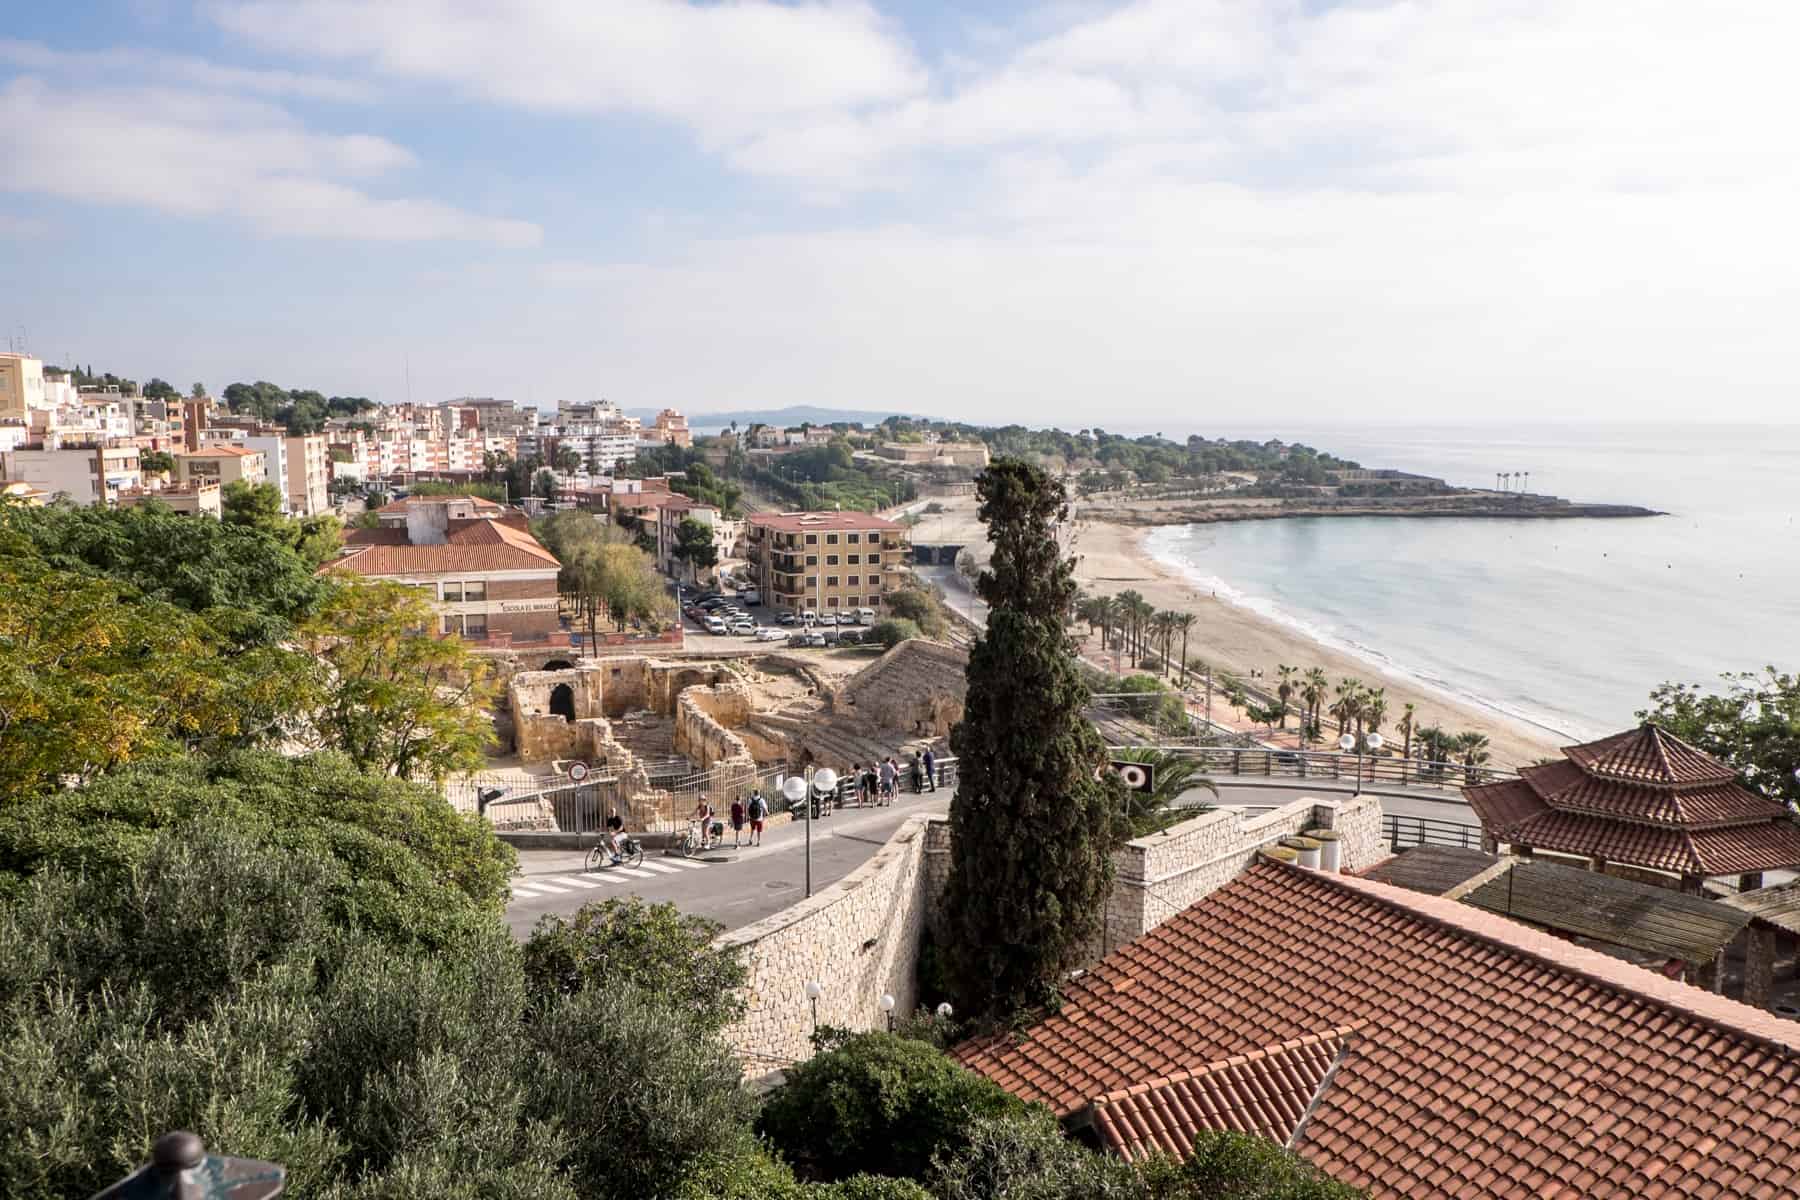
{"points": [[859, 938]]}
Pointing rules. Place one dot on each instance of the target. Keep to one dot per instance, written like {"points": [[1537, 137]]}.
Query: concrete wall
{"points": [[859, 938]]}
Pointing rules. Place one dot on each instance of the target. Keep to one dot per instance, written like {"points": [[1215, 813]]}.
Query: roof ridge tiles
{"points": [[1623, 979]]}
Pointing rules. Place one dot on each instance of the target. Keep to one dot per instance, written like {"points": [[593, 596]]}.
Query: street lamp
{"points": [[1347, 743], [181, 1169], [798, 790], [944, 1010], [887, 1006], [814, 989]]}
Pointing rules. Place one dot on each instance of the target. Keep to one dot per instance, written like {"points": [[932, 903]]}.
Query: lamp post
{"points": [[814, 989], [944, 1011], [799, 790], [887, 1008], [1347, 742]]}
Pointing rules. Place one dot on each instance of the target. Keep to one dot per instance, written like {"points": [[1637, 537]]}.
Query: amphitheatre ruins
{"points": [[655, 733]]}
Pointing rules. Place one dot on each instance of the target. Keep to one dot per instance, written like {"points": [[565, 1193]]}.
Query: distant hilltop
{"points": [[796, 414]]}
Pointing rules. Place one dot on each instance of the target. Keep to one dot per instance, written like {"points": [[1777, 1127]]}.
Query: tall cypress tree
{"points": [[1034, 829]]}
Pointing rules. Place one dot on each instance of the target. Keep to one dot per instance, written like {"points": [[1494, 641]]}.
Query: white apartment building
{"points": [[21, 385], [86, 475], [308, 476], [274, 450]]}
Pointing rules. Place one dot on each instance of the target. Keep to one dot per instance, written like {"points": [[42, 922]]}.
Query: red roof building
{"points": [[1644, 798], [1415, 1047]]}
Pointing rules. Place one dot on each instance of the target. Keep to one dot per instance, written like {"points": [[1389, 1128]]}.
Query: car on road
{"points": [[770, 635], [829, 619], [714, 625], [787, 618], [743, 628]]}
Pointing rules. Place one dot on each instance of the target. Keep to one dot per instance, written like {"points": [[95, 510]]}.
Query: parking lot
{"points": [[737, 624]]}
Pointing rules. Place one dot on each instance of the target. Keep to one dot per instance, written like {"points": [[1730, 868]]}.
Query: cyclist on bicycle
{"points": [[703, 813], [615, 838]]}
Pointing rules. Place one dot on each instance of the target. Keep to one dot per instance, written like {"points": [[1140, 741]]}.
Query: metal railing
{"points": [[1401, 832], [1316, 764]]}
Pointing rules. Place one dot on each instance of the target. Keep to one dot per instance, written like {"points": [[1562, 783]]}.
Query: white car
{"points": [[771, 635]]}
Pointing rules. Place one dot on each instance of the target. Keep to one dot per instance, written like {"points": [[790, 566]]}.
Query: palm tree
{"points": [[1347, 704], [1473, 746], [1131, 605], [1171, 776], [1167, 623], [1185, 622], [1285, 689], [1312, 692], [1106, 612], [1375, 708], [1405, 725]]}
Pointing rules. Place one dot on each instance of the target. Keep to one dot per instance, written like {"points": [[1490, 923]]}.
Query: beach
{"points": [[1111, 559]]}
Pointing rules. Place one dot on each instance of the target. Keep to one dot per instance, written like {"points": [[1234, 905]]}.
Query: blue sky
{"points": [[1163, 213]]}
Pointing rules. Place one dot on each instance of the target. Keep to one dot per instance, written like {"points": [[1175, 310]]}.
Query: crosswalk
{"points": [[549, 885]]}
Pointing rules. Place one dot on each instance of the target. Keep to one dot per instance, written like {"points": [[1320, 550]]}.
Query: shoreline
{"points": [[1113, 558]]}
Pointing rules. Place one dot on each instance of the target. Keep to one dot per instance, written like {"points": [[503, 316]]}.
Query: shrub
{"points": [[749, 1175], [869, 1187], [919, 606], [1029, 1158], [1233, 1166], [877, 1103], [891, 631], [652, 946]]}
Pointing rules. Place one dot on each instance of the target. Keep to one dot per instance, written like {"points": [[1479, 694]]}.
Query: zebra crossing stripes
{"points": [[548, 885]]}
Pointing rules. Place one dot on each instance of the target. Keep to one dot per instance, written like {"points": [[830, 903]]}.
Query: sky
{"points": [[1137, 214]]}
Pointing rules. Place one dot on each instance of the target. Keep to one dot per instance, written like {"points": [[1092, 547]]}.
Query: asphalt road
{"points": [[739, 886], [733, 887]]}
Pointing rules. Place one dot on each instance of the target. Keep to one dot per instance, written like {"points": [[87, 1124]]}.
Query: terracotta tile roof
{"points": [[1512, 812], [475, 550], [1651, 756], [1491, 1060], [479, 503], [1565, 786], [822, 522], [218, 452], [1267, 1093], [383, 535]]}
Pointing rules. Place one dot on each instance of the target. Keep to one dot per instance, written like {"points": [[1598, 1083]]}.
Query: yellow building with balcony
{"points": [[826, 561]]}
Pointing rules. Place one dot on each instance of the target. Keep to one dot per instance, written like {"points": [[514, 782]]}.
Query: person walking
{"points": [[870, 783], [889, 774], [759, 812], [930, 770], [737, 821]]}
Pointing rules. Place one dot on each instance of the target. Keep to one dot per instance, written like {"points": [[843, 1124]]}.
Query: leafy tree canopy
{"points": [[1753, 724], [652, 946]]}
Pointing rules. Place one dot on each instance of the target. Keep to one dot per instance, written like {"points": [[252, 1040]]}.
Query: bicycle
{"points": [[631, 854], [698, 841]]}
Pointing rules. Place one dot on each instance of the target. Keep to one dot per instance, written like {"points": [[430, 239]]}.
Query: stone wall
{"points": [[1159, 875], [859, 938], [916, 689], [540, 734], [704, 719]]}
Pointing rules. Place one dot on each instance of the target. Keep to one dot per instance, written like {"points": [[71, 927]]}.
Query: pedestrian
{"points": [[856, 781], [889, 773], [916, 773], [737, 821], [869, 784], [930, 769], [759, 812]]}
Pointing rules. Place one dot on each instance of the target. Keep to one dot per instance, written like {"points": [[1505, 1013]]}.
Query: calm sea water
{"points": [[1566, 624]]}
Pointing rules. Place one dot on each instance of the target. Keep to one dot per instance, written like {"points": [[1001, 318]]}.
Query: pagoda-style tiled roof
{"points": [[1644, 797]]}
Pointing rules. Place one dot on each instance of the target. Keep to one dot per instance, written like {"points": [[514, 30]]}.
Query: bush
{"points": [[651, 946], [869, 1187], [397, 859], [878, 1103], [1233, 1166], [1029, 1158], [751, 1175], [919, 606], [891, 631]]}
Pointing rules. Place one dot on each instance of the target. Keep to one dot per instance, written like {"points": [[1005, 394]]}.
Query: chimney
{"points": [[1306, 849], [1331, 849]]}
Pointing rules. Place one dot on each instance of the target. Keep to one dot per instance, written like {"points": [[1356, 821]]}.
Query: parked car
{"points": [[770, 635], [714, 625], [743, 628], [865, 616], [829, 619], [750, 595], [850, 637], [798, 639], [788, 618]]}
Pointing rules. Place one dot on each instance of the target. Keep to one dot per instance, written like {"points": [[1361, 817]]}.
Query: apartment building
{"points": [[199, 499], [21, 385], [672, 508], [825, 560], [488, 577], [672, 428], [308, 484], [85, 474], [273, 446], [219, 464]]}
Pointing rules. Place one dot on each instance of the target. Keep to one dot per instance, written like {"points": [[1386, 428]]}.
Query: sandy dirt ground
{"points": [[1111, 559]]}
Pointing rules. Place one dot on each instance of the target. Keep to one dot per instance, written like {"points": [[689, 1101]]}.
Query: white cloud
{"points": [[178, 69], [214, 153], [723, 69]]}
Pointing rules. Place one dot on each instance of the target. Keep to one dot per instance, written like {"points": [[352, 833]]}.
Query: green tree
{"points": [[254, 506], [604, 575], [197, 391], [567, 459], [694, 546], [1753, 725], [1172, 777], [544, 484], [157, 460], [1022, 909], [394, 697], [891, 631], [651, 946], [921, 607], [878, 1103], [160, 389]]}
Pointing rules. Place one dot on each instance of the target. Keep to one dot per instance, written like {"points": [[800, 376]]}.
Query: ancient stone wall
{"points": [[704, 719], [858, 938], [916, 689], [540, 734]]}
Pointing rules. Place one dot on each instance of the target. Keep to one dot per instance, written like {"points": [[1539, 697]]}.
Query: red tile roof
{"points": [[1643, 797], [476, 548], [1266, 1093], [479, 503], [1489, 1060], [382, 535], [218, 452]]}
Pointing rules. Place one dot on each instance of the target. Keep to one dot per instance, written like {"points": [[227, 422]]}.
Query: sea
{"points": [[1562, 624]]}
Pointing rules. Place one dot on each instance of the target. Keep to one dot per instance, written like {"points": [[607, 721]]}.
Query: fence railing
{"points": [[1402, 831], [1316, 764]]}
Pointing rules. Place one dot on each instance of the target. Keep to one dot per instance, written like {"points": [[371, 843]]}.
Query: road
{"points": [[738, 887], [733, 887]]}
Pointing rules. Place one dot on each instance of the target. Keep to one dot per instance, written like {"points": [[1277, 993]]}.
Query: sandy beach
{"points": [[1112, 558]]}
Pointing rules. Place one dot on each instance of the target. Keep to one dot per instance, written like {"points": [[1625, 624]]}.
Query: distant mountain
{"points": [[793, 415]]}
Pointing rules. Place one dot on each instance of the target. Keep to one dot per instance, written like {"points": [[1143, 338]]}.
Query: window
{"points": [[874, 559], [831, 560], [831, 601], [831, 581], [475, 625], [874, 601], [811, 603], [449, 626], [854, 601], [812, 539], [855, 558], [853, 581], [812, 560], [475, 589], [852, 538], [453, 593], [831, 539], [812, 581]]}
